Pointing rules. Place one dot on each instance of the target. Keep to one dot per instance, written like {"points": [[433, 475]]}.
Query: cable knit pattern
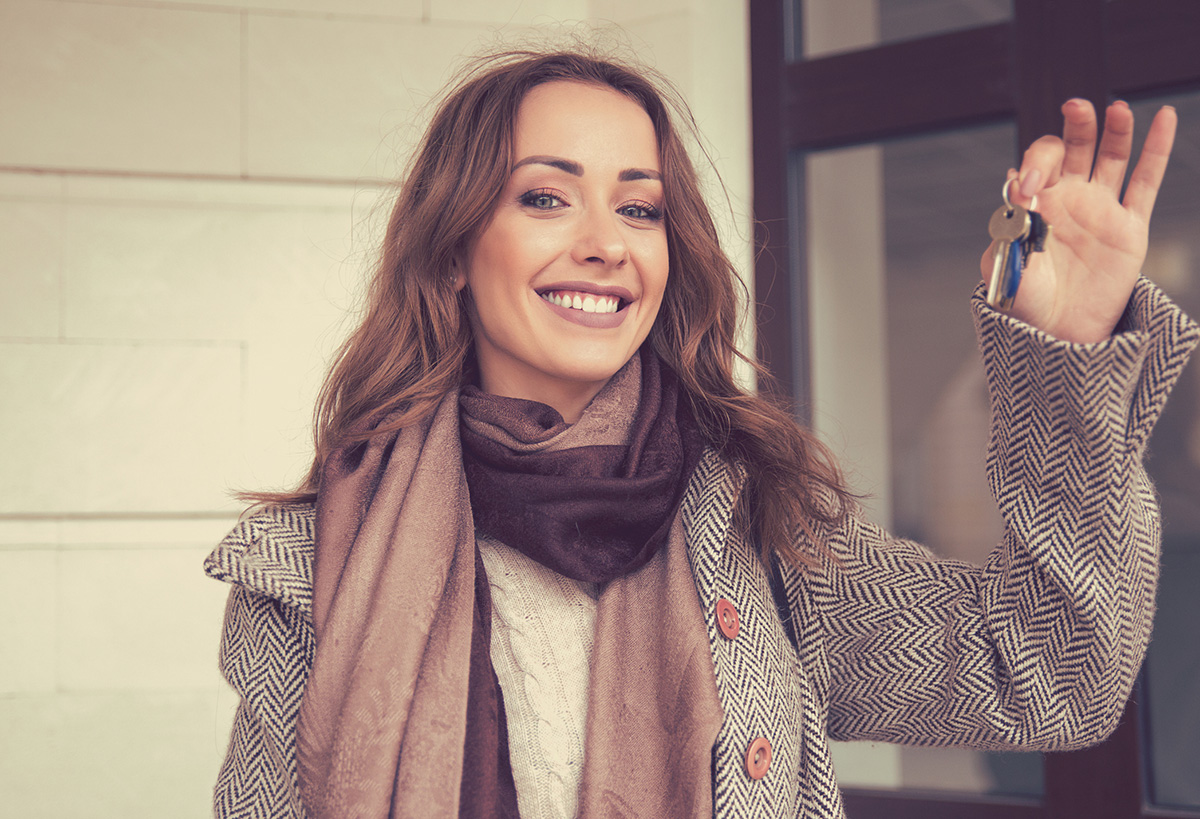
{"points": [[1039, 648], [543, 626]]}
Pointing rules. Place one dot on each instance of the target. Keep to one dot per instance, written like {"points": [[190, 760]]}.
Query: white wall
{"points": [[186, 210]]}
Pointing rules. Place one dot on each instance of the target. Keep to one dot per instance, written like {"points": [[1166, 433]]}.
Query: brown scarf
{"points": [[593, 513], [402, 611]]}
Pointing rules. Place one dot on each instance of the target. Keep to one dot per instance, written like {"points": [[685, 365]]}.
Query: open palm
{"points": [[1078, 288]]}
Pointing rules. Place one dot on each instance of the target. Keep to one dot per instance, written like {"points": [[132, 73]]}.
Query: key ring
{"points": [[1008, 202]]}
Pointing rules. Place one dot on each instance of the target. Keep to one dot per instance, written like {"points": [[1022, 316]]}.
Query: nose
{"points": [[600, 240]]}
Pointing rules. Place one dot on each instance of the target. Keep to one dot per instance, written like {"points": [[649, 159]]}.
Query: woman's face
{"points": [[568, 276]]}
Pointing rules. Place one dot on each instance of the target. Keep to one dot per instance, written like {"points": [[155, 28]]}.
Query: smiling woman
{"points": [[552, 561], [567, 278]]}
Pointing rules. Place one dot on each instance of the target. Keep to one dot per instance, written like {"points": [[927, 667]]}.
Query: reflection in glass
{"points": [[1172, 671], [832, 26], [893, 239]]}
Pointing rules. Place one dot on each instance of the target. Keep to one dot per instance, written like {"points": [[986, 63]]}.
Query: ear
{"points": [[458, 276]]}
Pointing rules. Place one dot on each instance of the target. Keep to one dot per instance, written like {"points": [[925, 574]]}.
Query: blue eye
{"points": [[541, 200], [640, 210]]}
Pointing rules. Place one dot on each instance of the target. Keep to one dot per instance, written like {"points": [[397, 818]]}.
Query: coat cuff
{"points": [[1113, 389]]}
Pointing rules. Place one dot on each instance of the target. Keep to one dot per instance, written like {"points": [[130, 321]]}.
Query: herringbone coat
{"points": [[1037, 649]]}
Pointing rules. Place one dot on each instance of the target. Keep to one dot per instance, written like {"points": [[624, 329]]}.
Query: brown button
{"points": [[727, 618], [758, 758]]}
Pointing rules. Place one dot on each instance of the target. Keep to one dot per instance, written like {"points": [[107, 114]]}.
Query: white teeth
{"points": [[588, 303]]}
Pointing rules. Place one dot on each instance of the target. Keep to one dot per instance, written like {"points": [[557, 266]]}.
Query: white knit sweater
{"points": [[542, 635]]}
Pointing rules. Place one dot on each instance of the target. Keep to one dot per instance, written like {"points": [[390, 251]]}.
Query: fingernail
{"points": [[1121, 103], [1029, 185]]}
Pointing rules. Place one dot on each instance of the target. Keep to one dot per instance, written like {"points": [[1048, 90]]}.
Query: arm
{"points": [[1040, 647]]}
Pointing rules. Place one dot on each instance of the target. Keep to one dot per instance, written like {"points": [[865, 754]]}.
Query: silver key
{"points": [[1009, 226], [1010, 223]]}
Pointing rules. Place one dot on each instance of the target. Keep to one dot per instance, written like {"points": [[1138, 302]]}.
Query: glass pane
{"points": [[893, 237], [1172, 670], [832, 26]]}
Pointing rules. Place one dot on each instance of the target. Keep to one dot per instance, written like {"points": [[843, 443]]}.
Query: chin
{"points": [[596, 373]]}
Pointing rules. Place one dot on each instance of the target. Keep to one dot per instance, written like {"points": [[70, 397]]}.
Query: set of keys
{"points": [[1017, 232]]}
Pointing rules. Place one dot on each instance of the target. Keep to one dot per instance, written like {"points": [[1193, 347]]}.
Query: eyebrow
{"points": [[575, 169]]}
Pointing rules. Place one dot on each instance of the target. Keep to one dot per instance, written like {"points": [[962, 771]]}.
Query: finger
{"points": [[1116, 145], [1079, 134], [1041, 167], [1152, 164]]}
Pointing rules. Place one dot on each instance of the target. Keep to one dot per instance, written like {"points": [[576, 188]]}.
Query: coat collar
{"points": [[707, 511], [270, 552]]}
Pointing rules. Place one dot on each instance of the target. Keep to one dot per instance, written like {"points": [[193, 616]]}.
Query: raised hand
{"points": [[1078, 288]]}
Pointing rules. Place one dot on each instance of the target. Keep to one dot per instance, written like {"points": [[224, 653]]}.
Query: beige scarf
{"points": [[383, 720]]}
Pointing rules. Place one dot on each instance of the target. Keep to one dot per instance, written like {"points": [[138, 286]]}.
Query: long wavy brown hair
{"points": [[414, 341]]}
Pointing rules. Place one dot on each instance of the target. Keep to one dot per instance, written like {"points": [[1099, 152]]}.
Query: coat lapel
{"points": [[758, 675]]}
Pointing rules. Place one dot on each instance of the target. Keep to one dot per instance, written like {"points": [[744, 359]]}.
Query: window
{"points": [[890, 101]]}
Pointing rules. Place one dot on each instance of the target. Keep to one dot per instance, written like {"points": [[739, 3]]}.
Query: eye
{"points": [[640, 210], [542, 199]]}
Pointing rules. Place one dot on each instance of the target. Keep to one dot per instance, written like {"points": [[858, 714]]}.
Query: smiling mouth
{"points": [[586, 302]]}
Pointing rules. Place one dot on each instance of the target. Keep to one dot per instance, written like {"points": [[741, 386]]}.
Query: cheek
{"points": [[656, 270], [505, 260], [664, 281]]}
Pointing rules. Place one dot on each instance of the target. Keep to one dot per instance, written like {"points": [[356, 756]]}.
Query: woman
{"points": [[551, 560]]}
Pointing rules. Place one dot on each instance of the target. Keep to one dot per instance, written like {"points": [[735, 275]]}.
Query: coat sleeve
{"points": [[1039, 648], [263, 647]]}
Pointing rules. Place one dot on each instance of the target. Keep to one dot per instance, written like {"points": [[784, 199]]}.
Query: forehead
{"points": [[583, 121]]}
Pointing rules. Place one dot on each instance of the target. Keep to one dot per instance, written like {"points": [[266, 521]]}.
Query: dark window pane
{"points": [[832, 26]]}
